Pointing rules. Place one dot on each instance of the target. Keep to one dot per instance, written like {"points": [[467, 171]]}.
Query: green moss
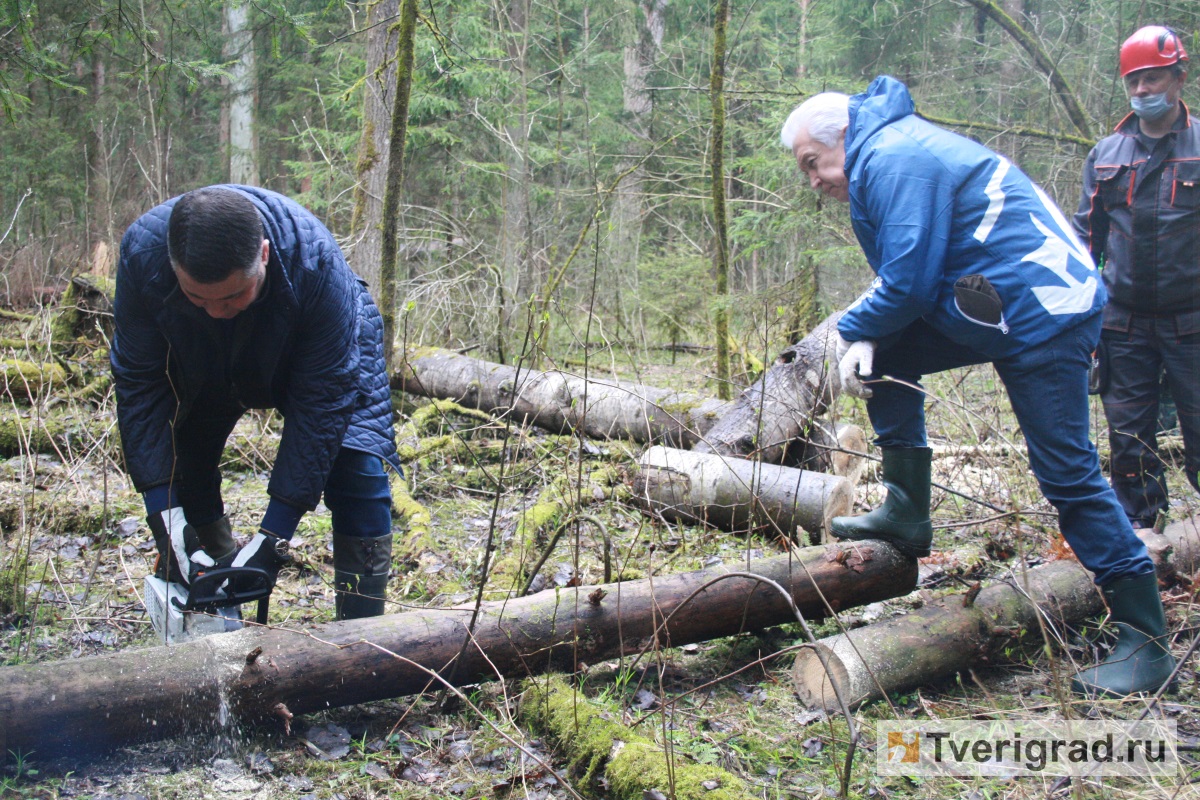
{"points": [[415, 516], [632, 763]]}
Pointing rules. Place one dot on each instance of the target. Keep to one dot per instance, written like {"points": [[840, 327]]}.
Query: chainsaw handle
{"points": [[214, 588]]}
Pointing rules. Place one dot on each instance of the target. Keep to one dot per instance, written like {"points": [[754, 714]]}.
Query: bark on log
{"points": [[740, 495], [560, 401], [954, 633], [782, 405], [94, 704]]}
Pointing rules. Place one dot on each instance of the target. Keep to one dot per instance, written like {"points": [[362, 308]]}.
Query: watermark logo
{"points": [[904, 748], [1027, 747]]}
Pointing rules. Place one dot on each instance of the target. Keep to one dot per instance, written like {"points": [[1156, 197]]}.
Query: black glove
{"points": [[180, 556], [265, 551]]}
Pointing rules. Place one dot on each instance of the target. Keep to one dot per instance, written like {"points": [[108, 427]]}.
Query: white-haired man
{"points": [[974, 264]]}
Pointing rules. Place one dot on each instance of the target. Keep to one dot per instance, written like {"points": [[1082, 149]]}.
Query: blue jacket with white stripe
{"points": [[956, 234]]}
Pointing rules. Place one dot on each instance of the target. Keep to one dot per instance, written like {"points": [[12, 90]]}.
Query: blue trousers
{"points": [[1047, 386], [357, 492], [1135, 350]]}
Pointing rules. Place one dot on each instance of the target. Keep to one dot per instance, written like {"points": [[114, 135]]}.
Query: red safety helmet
{"points": [[1151, 46]]}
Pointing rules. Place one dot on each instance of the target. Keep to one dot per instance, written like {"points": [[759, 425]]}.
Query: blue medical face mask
{"points": [[1151, 107]]}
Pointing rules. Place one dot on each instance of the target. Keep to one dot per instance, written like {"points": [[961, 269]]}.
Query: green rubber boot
{"points": [[361, 567], [903, 519], [1140, 660]]}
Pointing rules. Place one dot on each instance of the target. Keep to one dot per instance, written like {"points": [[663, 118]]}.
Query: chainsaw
{"points": [[213, 590]]}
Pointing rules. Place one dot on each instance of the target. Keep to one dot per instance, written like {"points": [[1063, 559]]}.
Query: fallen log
{"points": [[86, 310], [782, 405], [88, 705], [739, 495], [958, 631], [560, 401]]}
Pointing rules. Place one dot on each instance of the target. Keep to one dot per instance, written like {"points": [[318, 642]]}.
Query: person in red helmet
{"points": [[1139, 215]]}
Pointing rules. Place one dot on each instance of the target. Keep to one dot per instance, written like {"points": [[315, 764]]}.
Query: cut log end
{"points": [[814, 684]]}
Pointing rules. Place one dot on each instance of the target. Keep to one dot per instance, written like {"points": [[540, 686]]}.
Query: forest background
{"points": [[563, 160], [558, 180]]}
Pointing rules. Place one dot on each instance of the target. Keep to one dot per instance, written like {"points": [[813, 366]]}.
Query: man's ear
{"points": [[266, 251]]}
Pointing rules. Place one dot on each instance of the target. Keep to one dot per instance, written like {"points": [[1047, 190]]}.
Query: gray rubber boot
{"points": [[216, 538], [903, 519], [1140, 660], [361, 567]]}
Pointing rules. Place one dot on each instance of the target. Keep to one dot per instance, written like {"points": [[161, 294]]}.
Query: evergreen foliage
{"points": [[522, 143]]}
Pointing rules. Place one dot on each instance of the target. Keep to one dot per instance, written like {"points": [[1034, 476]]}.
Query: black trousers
{"points": [[1135, 358]]}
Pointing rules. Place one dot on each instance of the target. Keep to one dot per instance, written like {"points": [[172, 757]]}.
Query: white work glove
{"points": [[855, 361], [180, 556]]}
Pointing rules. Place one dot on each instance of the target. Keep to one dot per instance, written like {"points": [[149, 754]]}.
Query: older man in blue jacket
{"points": [[230, 298], [974, 264]]}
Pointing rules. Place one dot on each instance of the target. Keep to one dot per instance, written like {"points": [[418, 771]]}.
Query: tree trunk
{"points": [[517, 231], [954, 633], [371, 168], [395, 177], [1043, 61], [739, 495], [76, 707], [559, 401], [628, 207], [101, 226], [782, 405], [239, 49], [716, 92]]}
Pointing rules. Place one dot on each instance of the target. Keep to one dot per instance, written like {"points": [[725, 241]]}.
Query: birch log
{"points": [[740, 495], [783, 404], [608, 408], [558, 401], [86, 705], [955, 633]]}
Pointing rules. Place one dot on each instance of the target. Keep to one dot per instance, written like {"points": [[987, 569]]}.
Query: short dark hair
{"points": [[213, 233]]}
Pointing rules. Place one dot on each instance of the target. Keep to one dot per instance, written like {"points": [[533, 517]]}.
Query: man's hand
{"points": [[180, 556], [266, 552], [856, 360]]}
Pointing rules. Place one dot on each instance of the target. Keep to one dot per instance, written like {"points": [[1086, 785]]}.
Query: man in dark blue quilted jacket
{"points": [[231, 298]]}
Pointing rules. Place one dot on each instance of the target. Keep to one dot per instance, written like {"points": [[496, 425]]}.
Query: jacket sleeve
{"points": [[1091, 220], [322, 386], [146, 404], [908, 206]]}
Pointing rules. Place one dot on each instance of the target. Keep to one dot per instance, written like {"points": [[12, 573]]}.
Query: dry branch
{"points": [[739, 495], [220, 682], [955, 633], [559, 401]]}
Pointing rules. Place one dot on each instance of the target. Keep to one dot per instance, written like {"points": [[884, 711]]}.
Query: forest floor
{"points": [[75, 552]]}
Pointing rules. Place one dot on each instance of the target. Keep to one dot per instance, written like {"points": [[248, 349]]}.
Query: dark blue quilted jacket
{"points": [[311, 346]]}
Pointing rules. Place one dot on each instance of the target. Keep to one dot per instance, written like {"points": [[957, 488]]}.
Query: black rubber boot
{"points": [[361, 567], [903, 519], [216, 538], [1140, 660]]}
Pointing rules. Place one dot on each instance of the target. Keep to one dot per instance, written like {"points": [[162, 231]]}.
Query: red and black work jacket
{"points": [[1140, 217]]}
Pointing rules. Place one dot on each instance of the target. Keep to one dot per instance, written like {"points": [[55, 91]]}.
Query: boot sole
{"points": [[908, 549]]}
